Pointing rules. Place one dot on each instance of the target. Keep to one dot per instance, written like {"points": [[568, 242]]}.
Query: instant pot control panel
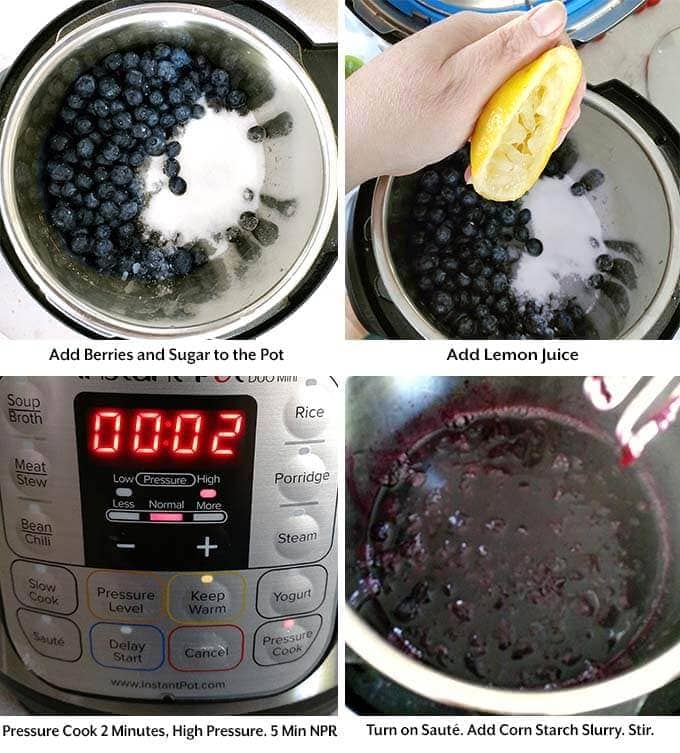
{"points": [[169, 537]]}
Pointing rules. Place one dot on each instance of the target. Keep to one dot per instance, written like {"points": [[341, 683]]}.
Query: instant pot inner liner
{"points": [[577, 592], [294, 170], [631, 205]]}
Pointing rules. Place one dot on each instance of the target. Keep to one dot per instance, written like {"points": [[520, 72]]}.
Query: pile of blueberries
{"points": [[462, 249], [123, 110]]}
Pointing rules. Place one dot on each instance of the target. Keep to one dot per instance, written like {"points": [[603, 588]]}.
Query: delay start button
{"points": [[214, 649], [30, 472], [285, 641], [137, 647]]}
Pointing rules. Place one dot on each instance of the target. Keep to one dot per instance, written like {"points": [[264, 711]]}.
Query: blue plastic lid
{"points": [[436, 10]]}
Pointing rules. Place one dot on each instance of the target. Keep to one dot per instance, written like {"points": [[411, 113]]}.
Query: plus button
{"points": [[206, 546]]}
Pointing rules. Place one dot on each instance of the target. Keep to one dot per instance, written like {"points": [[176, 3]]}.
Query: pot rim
{"points": [[655, 311], [437, 686], [81, 312]]}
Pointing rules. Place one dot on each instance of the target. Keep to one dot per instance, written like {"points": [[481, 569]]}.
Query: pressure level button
{"points": [[124, 596]]}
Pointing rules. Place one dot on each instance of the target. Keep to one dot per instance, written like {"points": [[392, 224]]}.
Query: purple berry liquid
{"points": [[509, 548]]}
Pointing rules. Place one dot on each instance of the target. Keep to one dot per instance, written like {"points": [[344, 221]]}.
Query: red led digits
{"points": [[106, 435], [187, 433], [147, 437], [220, 443]]}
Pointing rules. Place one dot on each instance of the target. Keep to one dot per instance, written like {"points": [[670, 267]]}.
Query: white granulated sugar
{"points": [[566, 225], [219, 163]]}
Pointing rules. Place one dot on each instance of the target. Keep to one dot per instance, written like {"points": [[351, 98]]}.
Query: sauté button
{"points": [[30, 472], [214, 649], [298, 538], [286, 640], [45, 587], [54, 637], [137, 647], [292, 591], [303, 477], [209, 598], [124, 596]]}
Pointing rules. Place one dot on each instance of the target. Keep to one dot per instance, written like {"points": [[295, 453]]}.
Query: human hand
{"points": [[419, 101]]}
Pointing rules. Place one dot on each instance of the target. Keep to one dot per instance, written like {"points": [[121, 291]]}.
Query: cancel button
{"points": [[286, 641]]}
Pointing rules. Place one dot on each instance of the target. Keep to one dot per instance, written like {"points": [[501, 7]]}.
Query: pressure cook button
{"points": [[307, 414], [25, 409], [215, 649], [286, 640], [298, 538], [209, 598], [138, 647], [304, 476], [54, 637], [44, 587], [132, 597], [287, 592], [30, 472], [36, 530]]}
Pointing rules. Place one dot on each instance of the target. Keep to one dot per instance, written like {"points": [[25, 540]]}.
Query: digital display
{"points": [[180, 436]]}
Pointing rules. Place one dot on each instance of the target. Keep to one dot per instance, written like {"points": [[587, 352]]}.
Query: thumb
{"points": [[493, 59]]}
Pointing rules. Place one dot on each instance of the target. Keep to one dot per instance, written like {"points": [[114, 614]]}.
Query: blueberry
{"points": [[450, 177], [466, 328], [108, 88], [101, 108], [122, 120], [105, 125], [175, 96], [481, 285], [75, 101], [63, 217], [171, 168], [503, 305], [604, 263], [124, 141], [129, 210], [155, 146], [69, 190], [126, 231], [422, 197], [182, 262], [521, 232], [426, 262], [148, 66], [266, 232], [162, 52], [70, 156], [248, 220], [469, 229], [236, 99], [85, 85], [425, 283], [108, 210], [156, 98], [592, 179], [419, 213], [180, 57], [58, 142], [197, 111], [442, 303], [488, 325], [137, 158], [167, 72], [436, 215], [219, 77], [153, 119], [133, 97], [508, 216], [534, 247], [167, 120], [499, 283], [595, 281], [443, 235], [113, 61], [173, 148], [578, 189], [474, 267], [491, 229], [100, 174], [468, 198], [130, 60], [449, 264], [552, 169], [182, 113], [84, 218], [524, 216], [463, 280], [83, 126], [85, 148], [499, 256], [80, 242], [121, 175], [141, 131], [84, 182], [59, 172], [429, 180], [102, 232], [110, 152], [177, 185], [105, 190]]}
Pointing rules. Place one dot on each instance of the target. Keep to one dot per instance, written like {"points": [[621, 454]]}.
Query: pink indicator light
{"points": [[166, 517], [208, 493]]}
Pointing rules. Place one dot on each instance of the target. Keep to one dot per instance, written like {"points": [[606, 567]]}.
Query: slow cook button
{"points": [[304, 476], [138, 647], [214, 649], [44, 587], [209, 598], [125, 596], [286, 640], [54, 637], [30, 472], [298, 538], [36, 530], [285, 592]]}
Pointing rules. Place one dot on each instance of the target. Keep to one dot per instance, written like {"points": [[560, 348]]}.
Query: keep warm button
{"points": [[138, 647], [285, 641]]}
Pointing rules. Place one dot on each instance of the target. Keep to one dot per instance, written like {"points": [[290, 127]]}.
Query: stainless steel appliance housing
{"points": [[238, 615]]}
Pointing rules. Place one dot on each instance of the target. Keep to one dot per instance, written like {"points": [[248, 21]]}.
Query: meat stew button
{"points": [[287, 640], [214, 649]]}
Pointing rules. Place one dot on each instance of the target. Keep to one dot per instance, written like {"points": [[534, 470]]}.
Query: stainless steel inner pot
{"points": [[378, 409], [639, 202], [214, 300]]}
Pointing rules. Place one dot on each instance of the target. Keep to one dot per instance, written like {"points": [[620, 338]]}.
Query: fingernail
{"points": [[548, 19]]}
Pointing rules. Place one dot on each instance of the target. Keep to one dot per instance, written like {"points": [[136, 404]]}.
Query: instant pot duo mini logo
{"points": [[154, 379]]}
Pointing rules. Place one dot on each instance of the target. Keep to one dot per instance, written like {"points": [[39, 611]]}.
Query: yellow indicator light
{"points": [[206, 579]]}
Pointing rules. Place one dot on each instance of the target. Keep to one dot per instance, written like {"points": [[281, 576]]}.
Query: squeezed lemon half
{"points": [[519, 126]]}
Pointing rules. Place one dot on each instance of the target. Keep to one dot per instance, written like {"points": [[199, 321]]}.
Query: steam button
{"points": [[286, 641], [30, 472], [54, 637], [214, 649], [136, 647], [303, 478], [298, 538], [45, 587]]}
